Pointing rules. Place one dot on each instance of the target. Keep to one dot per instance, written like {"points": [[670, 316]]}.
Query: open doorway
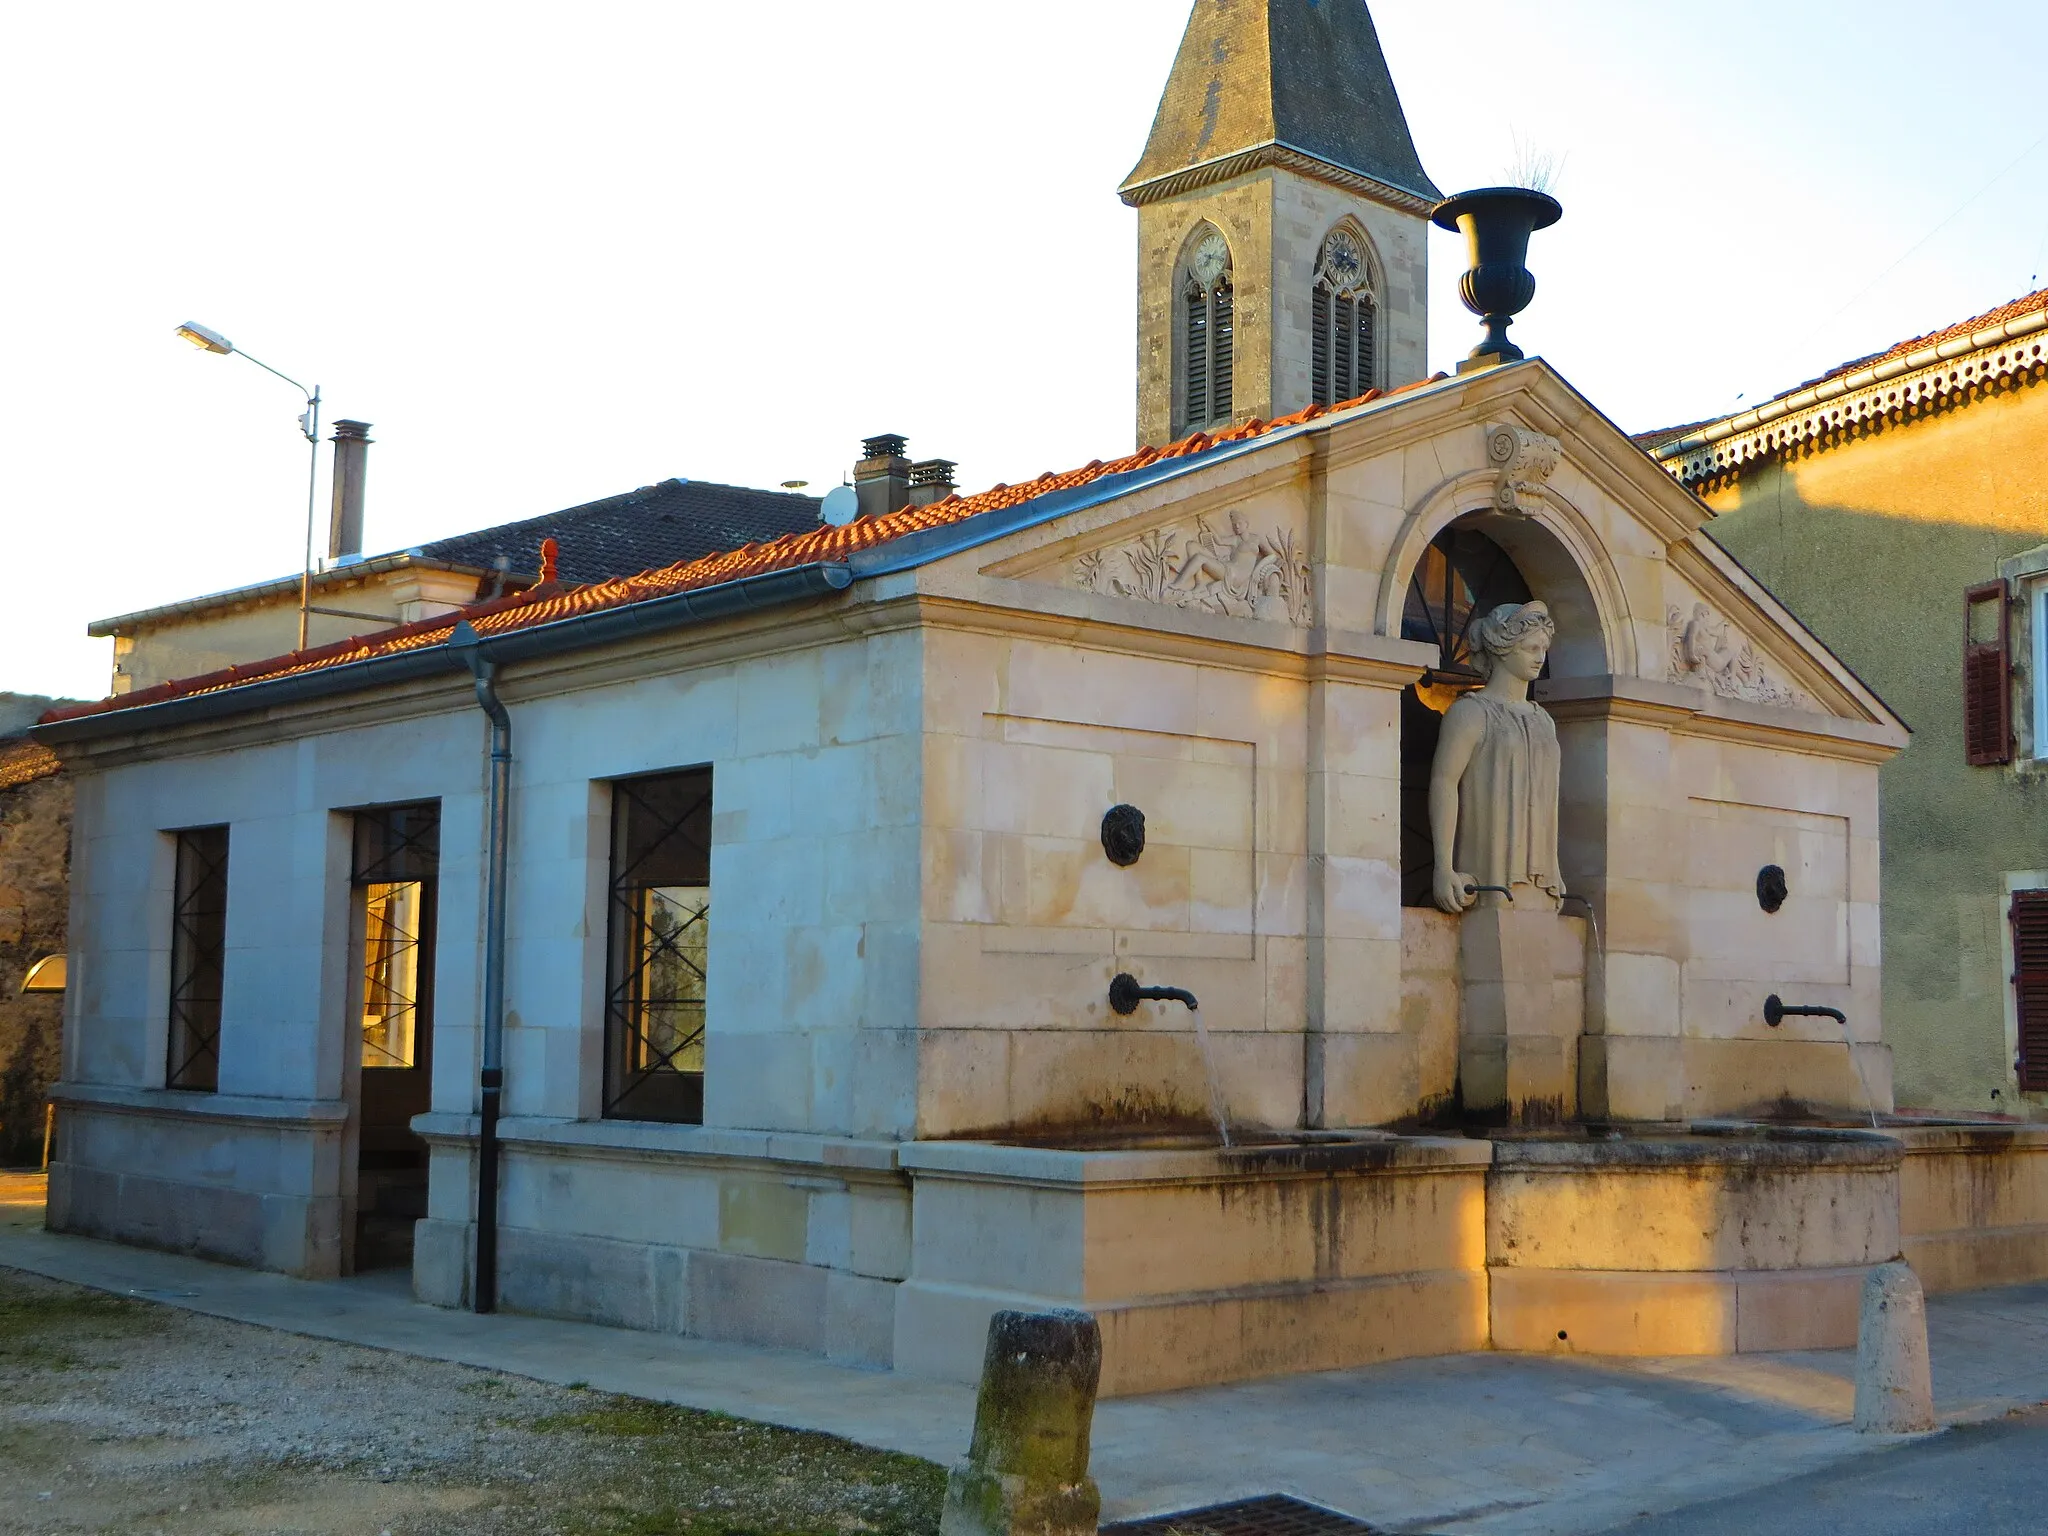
{"points": [[393, 884]]}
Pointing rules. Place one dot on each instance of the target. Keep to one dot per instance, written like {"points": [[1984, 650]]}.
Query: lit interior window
{"points": [[391, 973]]}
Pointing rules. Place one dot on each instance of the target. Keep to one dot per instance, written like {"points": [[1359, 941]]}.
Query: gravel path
{"points": [[126, 1416]]}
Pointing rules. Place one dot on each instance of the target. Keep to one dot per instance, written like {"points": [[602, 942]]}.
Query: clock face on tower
{"points": [[1211, 261], [1344, 261]]}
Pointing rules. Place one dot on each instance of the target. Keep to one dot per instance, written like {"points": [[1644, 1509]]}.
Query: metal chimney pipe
{"points": [[351, 462]]}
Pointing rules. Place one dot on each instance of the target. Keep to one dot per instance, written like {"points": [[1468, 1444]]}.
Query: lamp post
{"points": [[309, 423]]}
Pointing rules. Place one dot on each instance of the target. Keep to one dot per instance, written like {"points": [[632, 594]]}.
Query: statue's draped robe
{"points": [[1507, 800]]}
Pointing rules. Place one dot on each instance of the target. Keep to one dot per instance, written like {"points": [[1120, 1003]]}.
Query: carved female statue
{"points": [[1493, 786]]}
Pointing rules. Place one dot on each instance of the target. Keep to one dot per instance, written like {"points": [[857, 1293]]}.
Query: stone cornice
{"points": [[1688, 710], [214, 1108], [1887, 393], [1278, 156], [792, 1154], [1129, 628]]}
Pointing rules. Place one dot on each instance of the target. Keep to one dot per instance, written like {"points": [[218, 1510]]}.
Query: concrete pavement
{"points": [[1981, 1480], [1491, 1443]]}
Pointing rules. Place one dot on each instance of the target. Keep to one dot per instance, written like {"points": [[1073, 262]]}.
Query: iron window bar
{"points": [[660, 914], [198, 960]]}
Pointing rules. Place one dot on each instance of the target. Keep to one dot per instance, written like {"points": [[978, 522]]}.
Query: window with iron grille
{"points": [[397, 856], [1344, 353], [199, 930], [1208, 336], [1987, 677], [2029, 916], [659, 947]]}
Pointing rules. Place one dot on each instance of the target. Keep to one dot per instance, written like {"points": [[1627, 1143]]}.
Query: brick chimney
{"points": [[351, 462], [931, 480], [882, 477]]}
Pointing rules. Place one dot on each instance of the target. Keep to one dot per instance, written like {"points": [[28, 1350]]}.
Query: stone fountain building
{"points": [[816, 889]]}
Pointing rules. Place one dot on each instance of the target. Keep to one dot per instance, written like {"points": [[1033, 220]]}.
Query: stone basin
{"points": [[1709, 1238], [1300, 1252]]}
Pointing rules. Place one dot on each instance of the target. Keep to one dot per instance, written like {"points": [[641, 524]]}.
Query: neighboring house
{"points": [[653, 526], [816, 1111], [35, 851], [1880, 503]]}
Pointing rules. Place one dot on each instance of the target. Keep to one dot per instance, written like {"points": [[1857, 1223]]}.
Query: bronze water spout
{"points": [[1125, 994]]}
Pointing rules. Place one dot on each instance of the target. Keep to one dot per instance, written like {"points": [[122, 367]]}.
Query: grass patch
{"points": [[666, 1471], [43, 1324]]}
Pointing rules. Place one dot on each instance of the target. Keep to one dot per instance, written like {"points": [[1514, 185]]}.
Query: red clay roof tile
{"points": [[1962, 329], [544, 605], [23, 762]]}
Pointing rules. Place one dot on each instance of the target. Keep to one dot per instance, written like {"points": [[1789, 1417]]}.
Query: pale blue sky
{"points": [[556, 252]]}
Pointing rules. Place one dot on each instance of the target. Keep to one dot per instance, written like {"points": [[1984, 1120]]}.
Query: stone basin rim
{"points": [[1706, 1144], [1362, 1153]]}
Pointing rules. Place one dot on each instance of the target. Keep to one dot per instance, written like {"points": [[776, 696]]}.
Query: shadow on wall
{"points": [[1885, 593]]}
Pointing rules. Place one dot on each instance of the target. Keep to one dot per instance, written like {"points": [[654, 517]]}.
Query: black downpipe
{"points": [[498, 828]]}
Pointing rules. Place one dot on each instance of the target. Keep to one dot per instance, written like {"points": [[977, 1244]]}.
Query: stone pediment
{"points": [[1326, 526]]}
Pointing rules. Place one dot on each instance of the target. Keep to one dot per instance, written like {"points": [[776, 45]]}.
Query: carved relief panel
{"points": [[1705, 648], [1242, 571]]}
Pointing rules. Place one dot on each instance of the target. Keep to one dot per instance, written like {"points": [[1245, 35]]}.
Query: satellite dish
{"points": [[842, 506]]}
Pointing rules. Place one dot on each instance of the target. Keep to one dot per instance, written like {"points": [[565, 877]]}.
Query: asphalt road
{"points": [[1979, 1480]]}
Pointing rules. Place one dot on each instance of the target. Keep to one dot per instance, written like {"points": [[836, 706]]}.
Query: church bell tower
{"points": [[1283, 217]]}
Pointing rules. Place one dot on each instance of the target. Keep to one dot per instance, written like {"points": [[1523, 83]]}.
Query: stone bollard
{"points": [[1894, 1390], [1026, 1473]]}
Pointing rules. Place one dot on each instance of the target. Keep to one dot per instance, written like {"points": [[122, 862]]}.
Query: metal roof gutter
{"points": [[1709, 433], [652, 615]]}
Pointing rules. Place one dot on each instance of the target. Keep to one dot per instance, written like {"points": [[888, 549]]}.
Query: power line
{"points": [[1913, 250]]}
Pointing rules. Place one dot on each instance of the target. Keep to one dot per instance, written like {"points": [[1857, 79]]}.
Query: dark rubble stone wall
{"points": [[35, 868]]}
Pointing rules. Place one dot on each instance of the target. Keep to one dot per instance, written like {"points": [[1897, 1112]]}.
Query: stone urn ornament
{"points": [[1496, 223]]}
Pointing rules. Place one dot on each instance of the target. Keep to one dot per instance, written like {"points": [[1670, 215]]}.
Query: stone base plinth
{"points": [[1521, 1015], [1200, 1265]]}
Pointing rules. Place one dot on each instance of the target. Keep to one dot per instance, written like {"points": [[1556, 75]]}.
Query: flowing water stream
{"points": [[1215, 1081]]}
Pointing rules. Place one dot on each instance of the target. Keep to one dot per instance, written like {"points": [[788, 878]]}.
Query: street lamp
{"points": [[212, 341]]}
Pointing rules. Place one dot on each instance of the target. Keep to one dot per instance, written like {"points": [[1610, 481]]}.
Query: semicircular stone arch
{"points": [[1557, 551]]}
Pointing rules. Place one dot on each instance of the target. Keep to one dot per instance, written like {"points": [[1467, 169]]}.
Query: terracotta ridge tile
{"points": [[536, 605]]}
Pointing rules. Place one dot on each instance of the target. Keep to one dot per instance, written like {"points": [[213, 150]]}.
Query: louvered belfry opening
{"points": [[2029, 915], [1208, 338], [1343, 353], [1987, 676]]}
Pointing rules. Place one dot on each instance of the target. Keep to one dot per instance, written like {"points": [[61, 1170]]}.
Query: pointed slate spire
{"points": [[1292, 81]]}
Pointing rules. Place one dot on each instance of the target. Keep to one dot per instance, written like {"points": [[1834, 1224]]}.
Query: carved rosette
{"points": [[1239, 574], [1705, 648], [1522, 460]]}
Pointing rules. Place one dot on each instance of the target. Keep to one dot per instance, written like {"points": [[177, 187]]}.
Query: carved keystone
{"points": [[1894, 1389], [1026, 1473], [1522, 460]]}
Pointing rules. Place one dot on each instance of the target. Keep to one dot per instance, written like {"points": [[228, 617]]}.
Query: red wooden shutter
{"points": [[2030, 985], [1987, 677]]}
